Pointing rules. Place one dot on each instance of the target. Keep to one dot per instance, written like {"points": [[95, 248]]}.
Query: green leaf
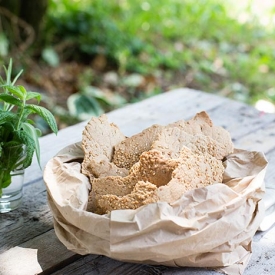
{"points": [[2, 81], [83, 107], [13, 154], [25, 114], [18, 91], [28, 141], [4, 45], [6, 116], [31, 132], [12, 157], [50, 56], [96, 93], [38, 132], [23, 90], [8, 74], [6, 131], [5, 179], [17, 76], [30, 121], [10, 99], [45, 114], [31, 95]]}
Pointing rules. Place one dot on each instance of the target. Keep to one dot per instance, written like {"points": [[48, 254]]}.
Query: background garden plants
{"points": [[109, 53]]}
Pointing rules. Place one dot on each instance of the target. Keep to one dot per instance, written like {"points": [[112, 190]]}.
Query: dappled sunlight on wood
{"points": [[26, 262]]}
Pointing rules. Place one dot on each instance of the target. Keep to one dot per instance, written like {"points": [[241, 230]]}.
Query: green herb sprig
{"points": [[18, 134]]}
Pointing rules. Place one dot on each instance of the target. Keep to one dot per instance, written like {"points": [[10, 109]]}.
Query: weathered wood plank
{"points": [[239, 119], [43, 253], [100, 265], [184, 104], [163, 109], [270, 173], [262, 139], [19, 261], [51, 253], [30, 220]]}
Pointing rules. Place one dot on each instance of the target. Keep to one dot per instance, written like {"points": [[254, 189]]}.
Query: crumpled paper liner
{"points": [[210, 227]]}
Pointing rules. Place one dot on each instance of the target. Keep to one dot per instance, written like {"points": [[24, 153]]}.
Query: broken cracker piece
{"points": [[128, 151], [98, 140], [172, 139], [142, 194], [194, 171], [155, 168], [202, 124]]}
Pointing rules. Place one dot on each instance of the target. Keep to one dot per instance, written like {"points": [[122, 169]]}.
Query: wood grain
{"points": [[31, 225]]}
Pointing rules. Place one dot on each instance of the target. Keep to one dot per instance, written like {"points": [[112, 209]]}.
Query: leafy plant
{"points": [[82, 30], [18, 134], [193, 41], [91, 101]]}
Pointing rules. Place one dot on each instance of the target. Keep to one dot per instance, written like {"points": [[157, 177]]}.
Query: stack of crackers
{"points": [[159, 164]]}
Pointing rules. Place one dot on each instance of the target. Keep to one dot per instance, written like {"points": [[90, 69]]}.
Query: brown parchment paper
{"points": [[208, 227]]}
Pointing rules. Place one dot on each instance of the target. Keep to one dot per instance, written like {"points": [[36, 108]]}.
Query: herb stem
{"points": [[20, 115]]}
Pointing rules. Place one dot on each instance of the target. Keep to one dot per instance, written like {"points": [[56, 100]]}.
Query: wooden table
{"points": [[28, 244]]}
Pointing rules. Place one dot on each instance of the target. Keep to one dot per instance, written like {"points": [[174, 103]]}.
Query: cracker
{"points": [[98, 140], [128, 151]]}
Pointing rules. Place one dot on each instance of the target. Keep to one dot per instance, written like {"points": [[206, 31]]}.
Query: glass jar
{"points": [[12, 195]]}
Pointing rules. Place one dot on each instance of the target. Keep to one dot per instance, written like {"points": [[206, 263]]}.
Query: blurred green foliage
{"points": [[216, 46], [198, 38]]}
